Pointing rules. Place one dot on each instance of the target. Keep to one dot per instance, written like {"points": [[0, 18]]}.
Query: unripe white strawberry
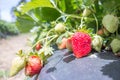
{"points": [[18, 64], [97, 43], [60, 27], [110, 22]]}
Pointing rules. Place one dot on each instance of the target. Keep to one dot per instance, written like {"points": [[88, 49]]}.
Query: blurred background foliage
{"points": [[8, 28]]}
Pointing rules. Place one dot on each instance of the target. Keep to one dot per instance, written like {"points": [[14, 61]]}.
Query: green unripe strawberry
{"points": [[110, 22], [86, 12], [18, 64], [97, 43], [60, 27], [115, 45]]}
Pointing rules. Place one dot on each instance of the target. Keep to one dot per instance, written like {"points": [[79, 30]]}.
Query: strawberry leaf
{"points": [[34, 4]]}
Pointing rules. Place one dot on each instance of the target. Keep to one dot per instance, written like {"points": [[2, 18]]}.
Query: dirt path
{"points": [[8, 49]]}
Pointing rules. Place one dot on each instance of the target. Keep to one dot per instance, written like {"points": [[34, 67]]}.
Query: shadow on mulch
{"points": [[112, 69]]}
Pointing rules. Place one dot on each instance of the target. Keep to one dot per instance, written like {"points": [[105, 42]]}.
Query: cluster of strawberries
{"points": [[79, 43], [32, 64]]}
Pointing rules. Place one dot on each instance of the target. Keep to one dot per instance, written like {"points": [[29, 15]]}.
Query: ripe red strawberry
{"points": [[33, 65], [38, 47], [69, 44], [81, 44]]}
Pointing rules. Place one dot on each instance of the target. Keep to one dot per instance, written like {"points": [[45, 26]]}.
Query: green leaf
{"points": [[35, 4], [47, 13], [62, 5], [67, 6], [25, 23]]}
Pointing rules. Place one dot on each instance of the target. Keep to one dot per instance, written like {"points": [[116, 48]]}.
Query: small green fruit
{"points": [[86, 12], [97, 43], [18, 64], [115, 45], [110, 22], [60, 27]]}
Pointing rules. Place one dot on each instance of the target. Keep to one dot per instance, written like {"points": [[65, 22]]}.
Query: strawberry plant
{"points": [[78, 25]]}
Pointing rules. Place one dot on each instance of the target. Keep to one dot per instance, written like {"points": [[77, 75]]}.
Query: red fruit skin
{"points": [[69, 44], [33, 66], [81, 44], [63, 44], [38, 47]]}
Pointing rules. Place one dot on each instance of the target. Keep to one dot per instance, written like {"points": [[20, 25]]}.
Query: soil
{"points": [[8, 49]]}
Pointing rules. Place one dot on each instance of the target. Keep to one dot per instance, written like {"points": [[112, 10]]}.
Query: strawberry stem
{"points": [[49, 33], [76, 16], [38, 42], [81, 24], [55, 36], [96, 23]]}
